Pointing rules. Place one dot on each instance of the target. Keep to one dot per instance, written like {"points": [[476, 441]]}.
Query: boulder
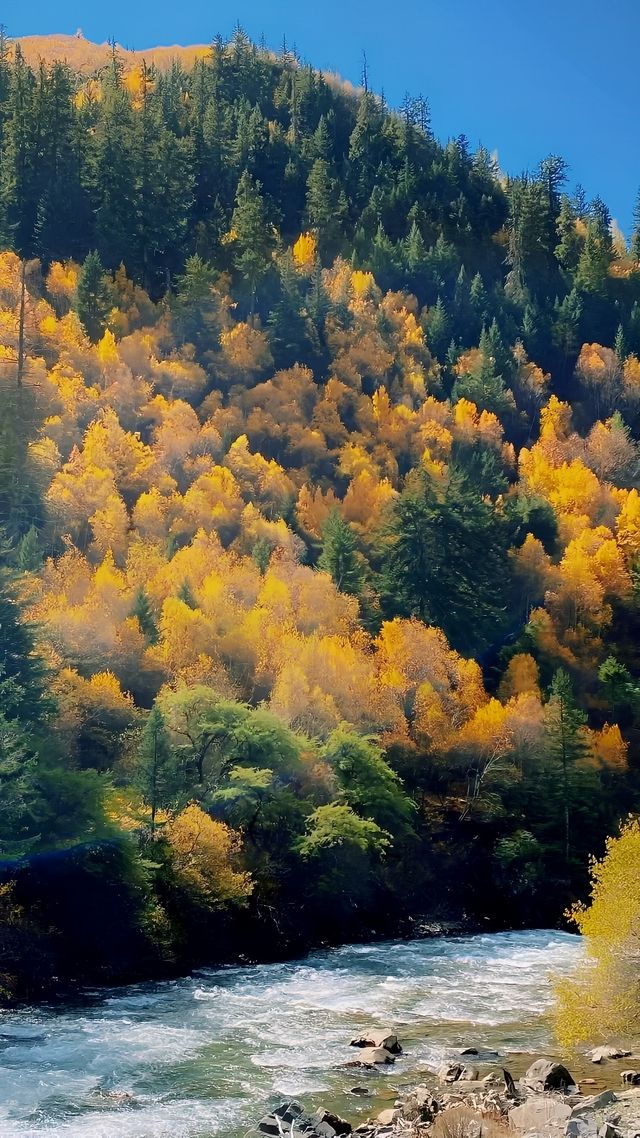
{"points": [[603, 1053], [371, 1056], [546, 1075], [470, 1074], [386, 1039], [362, 1091], [546, 1117], [420, 1105], [480, 1054], [296, 1123], [608, 1130], [450, 1072], [594, 1102], [327, 1125], [388, 1117], [630, 1077]]}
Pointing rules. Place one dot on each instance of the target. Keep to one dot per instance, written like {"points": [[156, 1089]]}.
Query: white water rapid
{"points": [[208, 1055]]}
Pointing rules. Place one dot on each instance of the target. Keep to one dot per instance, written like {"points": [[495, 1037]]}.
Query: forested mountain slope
{"points": [[319, 479]]}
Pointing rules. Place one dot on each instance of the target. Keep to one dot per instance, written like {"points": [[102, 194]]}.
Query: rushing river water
{"points": [[207, 1055]]}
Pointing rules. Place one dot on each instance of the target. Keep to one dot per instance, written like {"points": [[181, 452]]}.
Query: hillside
{"points": [[87, 58], [319, 476]]}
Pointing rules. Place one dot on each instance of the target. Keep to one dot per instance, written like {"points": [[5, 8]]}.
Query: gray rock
{"points": [[546, 1075], [601, 1054], [420, 1105], [480, 1054], [292, 1118], [470, 1074], [388, 1117], [608, 1130], [594, 1102], [372, 1056], [327, 1124], [386, 1039], [450, 1072], [545, 1117], [630, 1077]]}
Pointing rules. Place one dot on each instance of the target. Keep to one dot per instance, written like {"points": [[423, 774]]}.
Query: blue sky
{"points": [[524, 77]]}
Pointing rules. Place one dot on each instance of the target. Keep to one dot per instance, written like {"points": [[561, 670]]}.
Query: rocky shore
{"points": [[474, 1096]]}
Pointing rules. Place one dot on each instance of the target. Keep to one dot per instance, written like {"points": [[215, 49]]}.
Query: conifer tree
{"points": [[157, 774], [339, 555], [565, 743], [93, 301], [253, 235]]}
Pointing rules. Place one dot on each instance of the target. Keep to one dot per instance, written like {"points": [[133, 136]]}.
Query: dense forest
{"points": [[319, 484]]}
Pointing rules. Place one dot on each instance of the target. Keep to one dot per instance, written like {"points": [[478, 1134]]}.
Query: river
{"points": [[207, 1055]]}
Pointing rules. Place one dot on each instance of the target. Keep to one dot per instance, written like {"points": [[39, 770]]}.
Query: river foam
{"points": [[206, 1055]]}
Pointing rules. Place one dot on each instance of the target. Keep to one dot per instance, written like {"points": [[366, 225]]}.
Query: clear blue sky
{"points": [[524, 77]]}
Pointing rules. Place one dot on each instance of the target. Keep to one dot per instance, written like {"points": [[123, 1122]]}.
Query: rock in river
{"points": [[546, 1075], [386, 1039], [371, 1056]]}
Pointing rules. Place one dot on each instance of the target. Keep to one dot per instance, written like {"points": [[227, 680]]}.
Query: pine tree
{"points": [[438, 327], [157, 773], [635, 236], [619, 345], [93, 300], [253, 236], [29, 553], [325, 207], [144, 614], [339, 555], [445, 561], [570, 243], [565, 743], [194, 308], [566, 325]]}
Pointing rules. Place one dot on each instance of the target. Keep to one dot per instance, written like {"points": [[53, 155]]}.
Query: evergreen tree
{"points": [[23, 672], [195, 308], [93, 300], [29, 552], [157, 772], [325, 207], [593, 267], [570, 243], [446, 561], [565, 744], [18, 788], [144, 614], [253, 235], [339, 555], [635, 235]]}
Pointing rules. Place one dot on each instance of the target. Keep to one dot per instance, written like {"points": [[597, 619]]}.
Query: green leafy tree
{"points": [[368, 784]]}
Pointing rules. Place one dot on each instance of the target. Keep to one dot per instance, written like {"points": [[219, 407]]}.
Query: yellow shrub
{"points": [[602, 998]]}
